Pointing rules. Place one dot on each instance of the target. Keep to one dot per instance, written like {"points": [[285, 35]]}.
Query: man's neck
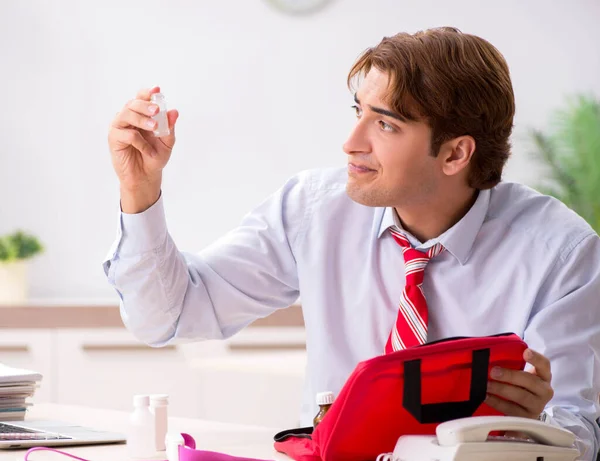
{"points": [[431, 221]]}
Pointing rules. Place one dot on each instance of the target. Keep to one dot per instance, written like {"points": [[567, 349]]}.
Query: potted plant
{"points": [[16, 250], [570, 151]]}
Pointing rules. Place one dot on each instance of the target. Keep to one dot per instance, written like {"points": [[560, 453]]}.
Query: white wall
{"points": [[261, 96]]}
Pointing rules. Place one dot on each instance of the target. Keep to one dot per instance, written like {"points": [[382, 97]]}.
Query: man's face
{"points": [[389, 161]]}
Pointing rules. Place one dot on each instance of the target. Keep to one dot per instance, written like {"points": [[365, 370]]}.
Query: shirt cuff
{"points": [[143, 232], [547, 418]]}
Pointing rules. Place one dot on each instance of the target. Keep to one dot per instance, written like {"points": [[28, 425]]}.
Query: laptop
{"points": [[26, 434]]}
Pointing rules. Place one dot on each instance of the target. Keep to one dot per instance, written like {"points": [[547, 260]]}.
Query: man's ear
{"points": [[456, 154]]}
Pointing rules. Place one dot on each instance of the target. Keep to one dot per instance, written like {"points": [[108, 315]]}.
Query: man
{"points": [[425, 159]]}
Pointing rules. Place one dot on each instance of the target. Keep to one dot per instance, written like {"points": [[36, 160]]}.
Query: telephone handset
{"points": [[477, 429], [466, 439]]}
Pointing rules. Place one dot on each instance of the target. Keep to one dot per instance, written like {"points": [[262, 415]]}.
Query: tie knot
{"points": [[415, 261]]}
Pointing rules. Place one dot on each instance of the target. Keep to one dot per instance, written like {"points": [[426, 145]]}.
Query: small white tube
{"points": [[158, 406], [140, 435], [162, 123], [173, 442]]}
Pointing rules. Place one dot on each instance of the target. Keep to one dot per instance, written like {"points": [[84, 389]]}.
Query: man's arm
{"points": [[565, 328], [247, 274]]}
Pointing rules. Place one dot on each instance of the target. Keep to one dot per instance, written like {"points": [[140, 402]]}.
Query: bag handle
{"points": [[441, 412]]}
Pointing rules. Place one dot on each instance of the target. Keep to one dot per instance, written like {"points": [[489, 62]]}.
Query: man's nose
{"points": [[358, 141]]}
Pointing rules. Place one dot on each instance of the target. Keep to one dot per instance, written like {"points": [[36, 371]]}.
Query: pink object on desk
{"points": [[187, 452]]}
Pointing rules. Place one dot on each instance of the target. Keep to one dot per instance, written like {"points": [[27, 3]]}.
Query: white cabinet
{"points": [[31, 349], [105, 367], [254, 378]]}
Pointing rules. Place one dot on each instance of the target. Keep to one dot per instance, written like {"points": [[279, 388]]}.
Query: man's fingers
{"points": [[128, 117], [530, 381], [540, 362], [131, 137], [523, 398], [508, 408], [522, 393], [142, 107], [519, 378], [172, 117], [145, 93]]}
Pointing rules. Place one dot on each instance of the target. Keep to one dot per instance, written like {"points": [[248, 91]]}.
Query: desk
{"points": [[237, 440]]}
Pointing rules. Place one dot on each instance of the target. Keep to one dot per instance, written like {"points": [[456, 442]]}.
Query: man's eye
{"points": [[386, 126], [357, 110]]}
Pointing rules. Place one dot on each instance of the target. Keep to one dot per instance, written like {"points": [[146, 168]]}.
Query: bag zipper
{"points": [[454, 338]]}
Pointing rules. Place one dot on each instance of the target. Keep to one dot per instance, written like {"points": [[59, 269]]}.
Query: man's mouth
{"points": [[356, 168]]}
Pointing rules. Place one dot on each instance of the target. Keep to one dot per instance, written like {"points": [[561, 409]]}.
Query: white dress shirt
{"points": [[517, 262]]}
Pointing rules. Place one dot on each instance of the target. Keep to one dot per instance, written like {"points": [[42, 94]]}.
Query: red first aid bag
{"points": [[406, 392]]}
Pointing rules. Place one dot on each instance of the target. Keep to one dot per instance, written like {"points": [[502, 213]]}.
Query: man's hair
{"points": [[458, 83]]}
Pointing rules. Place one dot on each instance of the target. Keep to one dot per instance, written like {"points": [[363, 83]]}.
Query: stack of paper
{"points": [[16, 386]]}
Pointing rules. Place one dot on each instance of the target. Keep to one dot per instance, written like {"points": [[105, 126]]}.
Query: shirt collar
{"points": [[458, 240]]}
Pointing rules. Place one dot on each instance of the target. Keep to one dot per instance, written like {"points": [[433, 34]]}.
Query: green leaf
{"points": [[19, 245], [7, 251], [571, 152]]}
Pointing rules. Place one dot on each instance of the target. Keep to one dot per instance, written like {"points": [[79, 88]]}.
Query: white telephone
{"points": [[466, 439]]}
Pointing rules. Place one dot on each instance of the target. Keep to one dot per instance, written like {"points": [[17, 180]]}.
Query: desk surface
{"points": [[237, 440]]}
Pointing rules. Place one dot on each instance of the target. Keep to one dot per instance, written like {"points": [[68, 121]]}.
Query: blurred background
{"points": [[260, 87]]}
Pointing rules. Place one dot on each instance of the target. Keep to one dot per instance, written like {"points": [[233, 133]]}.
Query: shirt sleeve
{"points": [[168, 295], [565, 327]]}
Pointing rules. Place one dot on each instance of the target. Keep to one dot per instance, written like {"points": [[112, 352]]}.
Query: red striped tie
{"points": [[410, 328]]}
